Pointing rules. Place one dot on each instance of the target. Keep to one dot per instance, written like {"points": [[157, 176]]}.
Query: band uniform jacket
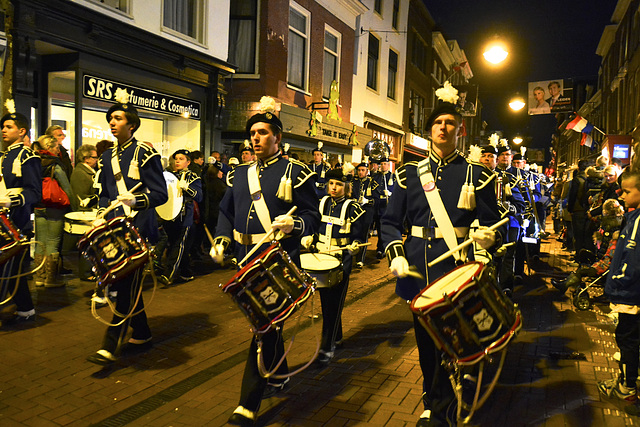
{"points": [[82, 185], [351, 229], [363, 193], [238, 218], [191, 194], [386, 183], [624, 272], [320, 180], [515, 200], [21, 170], [151, 194], [409, 204]]}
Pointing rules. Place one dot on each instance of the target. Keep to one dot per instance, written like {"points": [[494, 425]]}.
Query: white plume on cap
{"points": [[475, 153], [493, 139], [504, 142], [447, 93], [320, 144], [10, 105], [247, 144], [523, 150], [339, 158], [348, 168], [286, 146], [121, 96], [267, 105]]}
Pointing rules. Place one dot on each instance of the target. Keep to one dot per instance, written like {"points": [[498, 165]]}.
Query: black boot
{"points": [[563, 285]]}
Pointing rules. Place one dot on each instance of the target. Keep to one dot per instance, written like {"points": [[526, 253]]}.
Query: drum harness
{"points": [[342, 221]]}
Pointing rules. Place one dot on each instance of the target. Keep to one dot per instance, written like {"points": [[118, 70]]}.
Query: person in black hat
{"points": [[246, 152], [21, 190], [129, 163], [320, 167], [258, 200], [190, 185], [421, 188], [331, 236], [386, 181], [363, 186], [512, 204]]}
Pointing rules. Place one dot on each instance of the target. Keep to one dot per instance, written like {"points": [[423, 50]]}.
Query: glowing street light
{"points": [[495, 54], [517, 140], [517, 104]]}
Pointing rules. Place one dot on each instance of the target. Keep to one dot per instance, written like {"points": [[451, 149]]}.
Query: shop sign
{"points": [[105, 90]]}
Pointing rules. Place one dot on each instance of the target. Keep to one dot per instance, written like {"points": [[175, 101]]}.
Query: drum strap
{"points": [[438, 210], [117, 174], [258, 198]]}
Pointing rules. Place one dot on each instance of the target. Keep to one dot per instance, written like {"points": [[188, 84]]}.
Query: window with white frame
{"points": [[393, 73], [331, 66], [298, 59], [395, 17], [184, 17], [243, 21], [372, 62]]}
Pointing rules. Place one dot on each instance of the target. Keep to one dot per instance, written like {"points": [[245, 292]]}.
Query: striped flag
{"points": [[580, 124]]}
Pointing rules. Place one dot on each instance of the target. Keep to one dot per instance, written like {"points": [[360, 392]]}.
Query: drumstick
{"points": [[115, 203], [342, 248], [206, 229], [465, 244], [264, 239]]}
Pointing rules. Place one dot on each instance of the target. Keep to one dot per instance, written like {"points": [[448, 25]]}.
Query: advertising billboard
{"points": [[550, 96]]}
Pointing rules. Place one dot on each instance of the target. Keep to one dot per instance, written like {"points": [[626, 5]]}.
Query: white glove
{"points": [[388, 193], [127, 199], [306, 241], [217, 254], [84, 202], [353, 247], [399, 267], [364, 201], [483, 237], [98, 222], [5, 201], [183, 185], [283, 223]]}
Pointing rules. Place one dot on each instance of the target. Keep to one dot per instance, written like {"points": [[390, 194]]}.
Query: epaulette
{"points": [[230, 177], [147, 153], [304, 174], [27, 153], [299, 163], [401, 174], [473, 162], [357, 211], [192, 176]]}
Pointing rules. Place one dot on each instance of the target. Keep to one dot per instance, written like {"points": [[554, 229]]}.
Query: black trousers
{"points": [[332, 300], [177, 250], [253, 384], [128, 289], [628, 340], [19, 263]]}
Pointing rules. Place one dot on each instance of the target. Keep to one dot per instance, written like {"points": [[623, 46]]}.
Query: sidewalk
{"points": [[192, 375]]}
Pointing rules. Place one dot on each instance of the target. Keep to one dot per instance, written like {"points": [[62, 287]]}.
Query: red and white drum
{"points": [[269, 288], [466, 314], [11, 241], [79, 222], [115, 249], [326, 269]]}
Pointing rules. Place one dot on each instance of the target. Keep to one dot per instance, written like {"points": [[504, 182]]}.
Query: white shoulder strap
{"points": [[117, 174], [257, 198]]}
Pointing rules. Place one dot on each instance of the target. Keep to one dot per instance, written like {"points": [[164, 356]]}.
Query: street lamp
{"points": [[517, 140], [495, 53], [517, 103]]}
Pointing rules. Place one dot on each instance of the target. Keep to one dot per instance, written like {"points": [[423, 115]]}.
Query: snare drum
{"points": [[11, 241], [326, 269], [466, 314], [269, 288], [79, 222], [115, 249]]}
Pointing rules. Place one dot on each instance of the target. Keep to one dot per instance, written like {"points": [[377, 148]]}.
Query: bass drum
{"points": [[171, 209]]}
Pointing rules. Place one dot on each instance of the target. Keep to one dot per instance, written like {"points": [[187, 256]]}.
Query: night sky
{"points": [[549, 39]]}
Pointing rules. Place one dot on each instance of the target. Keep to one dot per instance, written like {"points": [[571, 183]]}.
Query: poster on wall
{"points": [[550, 96], [467, 99]]}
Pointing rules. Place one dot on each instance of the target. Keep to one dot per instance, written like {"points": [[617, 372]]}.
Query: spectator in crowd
{"points": [[57, 133]]}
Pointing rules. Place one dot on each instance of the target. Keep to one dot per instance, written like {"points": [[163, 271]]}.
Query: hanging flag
{"points": [[580, 124], [587, 141]]}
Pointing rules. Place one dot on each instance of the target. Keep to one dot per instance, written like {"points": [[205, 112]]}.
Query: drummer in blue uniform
{"points": [[21, 185], [363, 186], [259, 198], [341, 227], [427, 197], [177, 262], [386, 181], [320, 167], [122, 167]]}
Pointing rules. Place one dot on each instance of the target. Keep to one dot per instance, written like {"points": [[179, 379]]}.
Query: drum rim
{"points": [[89, 235], [452, 295], [311, 256]]}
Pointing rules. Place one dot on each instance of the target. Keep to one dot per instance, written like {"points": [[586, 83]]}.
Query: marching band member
{"points": [[341, 225], [512, 203], [177, 229], [363, 187], [122, 167], [530, 190], [259, 197], [386, 181], [21, 175], [429, 197], [246, 152], [320, 167]]}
